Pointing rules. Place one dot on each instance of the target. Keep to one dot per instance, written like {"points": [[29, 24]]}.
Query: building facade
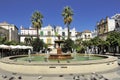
{"points": [[116, 17], [105, 26], [47, 33], [85, 35], [10, 31]]}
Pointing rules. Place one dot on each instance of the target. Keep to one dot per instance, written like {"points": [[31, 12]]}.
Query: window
{"points": [[63, 33], [41, 33], [88, 36], [85, 36], [104, 28], [49, 33], [48, 41]]}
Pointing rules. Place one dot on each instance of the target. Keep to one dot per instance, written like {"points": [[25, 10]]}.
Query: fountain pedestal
{"points": [[59, 51], [59, 54]]}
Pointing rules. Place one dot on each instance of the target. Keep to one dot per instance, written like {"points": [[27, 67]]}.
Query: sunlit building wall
{"points": [[105, 26], [85, 35], [10, 31], [47, 33]]}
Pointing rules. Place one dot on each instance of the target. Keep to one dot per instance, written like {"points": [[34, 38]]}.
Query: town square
{"points": [[59, 40]]}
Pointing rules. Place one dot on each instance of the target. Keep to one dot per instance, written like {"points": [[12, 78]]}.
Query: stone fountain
{"points": [[59, 54]]}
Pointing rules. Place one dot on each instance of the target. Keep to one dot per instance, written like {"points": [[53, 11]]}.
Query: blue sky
{"points": [[86, 12]]}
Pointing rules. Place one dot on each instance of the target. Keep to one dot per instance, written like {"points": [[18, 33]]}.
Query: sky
{"points": [[86, 12]]}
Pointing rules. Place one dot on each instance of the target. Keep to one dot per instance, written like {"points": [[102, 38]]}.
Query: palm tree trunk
{"points": [[68, 31], [37, 33]]}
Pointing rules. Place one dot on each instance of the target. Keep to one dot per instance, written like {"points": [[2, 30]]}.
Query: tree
{"points": [[96, 41], [37, 21], [3, 39], [68, 45], [37, 44], [101, 44], [86, 43], [11, 43], [78, 46], [78, 41], [67, 15], [28, 40], [113, 40]]}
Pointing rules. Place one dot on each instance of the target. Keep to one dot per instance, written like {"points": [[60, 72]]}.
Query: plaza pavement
{"points": [[110, 75]]}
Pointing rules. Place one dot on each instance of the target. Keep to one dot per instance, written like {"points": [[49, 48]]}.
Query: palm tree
{"points": [[67, 15], [37, 21]]}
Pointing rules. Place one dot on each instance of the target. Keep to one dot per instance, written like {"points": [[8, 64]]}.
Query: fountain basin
{"points": [[75, 67]]}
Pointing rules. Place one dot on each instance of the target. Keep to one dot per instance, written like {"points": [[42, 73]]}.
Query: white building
{"points": [[10, 31], [116, 17], [85, 35], [47, 33]]}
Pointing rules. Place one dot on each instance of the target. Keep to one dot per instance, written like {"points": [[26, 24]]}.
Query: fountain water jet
{"points": [[29, 55]]}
